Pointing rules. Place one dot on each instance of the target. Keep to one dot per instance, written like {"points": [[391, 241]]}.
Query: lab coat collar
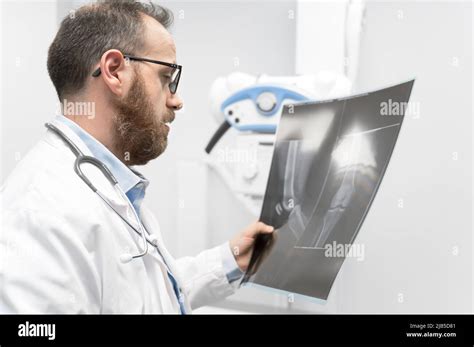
{"points": [[127, 177], [99, 180]]}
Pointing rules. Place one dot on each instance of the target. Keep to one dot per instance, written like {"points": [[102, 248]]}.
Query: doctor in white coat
{"points": [[62, 247]]}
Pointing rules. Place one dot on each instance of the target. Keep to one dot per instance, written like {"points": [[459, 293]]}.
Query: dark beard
{"points": [[139, 134]]}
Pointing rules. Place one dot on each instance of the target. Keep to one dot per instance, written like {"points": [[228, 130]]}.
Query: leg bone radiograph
{"points": [[328, 162]]}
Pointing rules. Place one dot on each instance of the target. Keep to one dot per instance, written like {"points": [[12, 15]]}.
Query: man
{"points": [[65, 250]]}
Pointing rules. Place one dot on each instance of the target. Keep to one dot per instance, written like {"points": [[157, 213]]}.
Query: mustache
{"points": [[168, 118]]}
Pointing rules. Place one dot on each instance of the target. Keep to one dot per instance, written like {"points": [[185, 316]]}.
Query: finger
{"points": [[257, 228], [268, 229], [264, 228]]}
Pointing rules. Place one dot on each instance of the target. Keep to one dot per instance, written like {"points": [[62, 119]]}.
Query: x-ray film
{"points": [[328, 162]]}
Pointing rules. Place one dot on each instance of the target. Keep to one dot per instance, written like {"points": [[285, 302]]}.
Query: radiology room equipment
{"points": [[250, 108]]}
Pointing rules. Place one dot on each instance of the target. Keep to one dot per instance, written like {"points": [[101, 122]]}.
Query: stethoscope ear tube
{"points": [[77, 152]]}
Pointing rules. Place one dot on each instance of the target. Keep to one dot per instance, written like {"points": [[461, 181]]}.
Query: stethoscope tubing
{"points": [[81, 159]]}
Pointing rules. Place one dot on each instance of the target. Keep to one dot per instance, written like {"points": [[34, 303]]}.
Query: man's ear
{"points": [[113, 67]]}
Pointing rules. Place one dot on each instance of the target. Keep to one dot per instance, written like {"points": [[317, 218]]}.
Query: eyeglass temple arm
{"points": [[97, 72]]}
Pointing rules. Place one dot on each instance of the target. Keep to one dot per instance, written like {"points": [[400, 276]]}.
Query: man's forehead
{"points": [[159, 43]]}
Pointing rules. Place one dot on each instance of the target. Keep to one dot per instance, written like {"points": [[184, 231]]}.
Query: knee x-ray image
{"points": [[328, 162]]}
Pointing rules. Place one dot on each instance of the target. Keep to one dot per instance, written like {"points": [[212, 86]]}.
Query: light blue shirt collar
{"points": [[130, 181]]}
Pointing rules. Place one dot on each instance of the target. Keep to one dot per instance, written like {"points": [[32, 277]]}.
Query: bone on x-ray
{"points": [[328, 162]]}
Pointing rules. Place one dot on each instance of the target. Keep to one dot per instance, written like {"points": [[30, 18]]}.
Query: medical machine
{"points": [[250, 107]]}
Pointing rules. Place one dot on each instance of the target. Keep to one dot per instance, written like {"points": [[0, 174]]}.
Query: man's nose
{"points": [[174, 102]]}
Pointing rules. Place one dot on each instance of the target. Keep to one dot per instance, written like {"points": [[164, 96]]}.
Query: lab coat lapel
{"points": [[152, 225], [121, 205]]}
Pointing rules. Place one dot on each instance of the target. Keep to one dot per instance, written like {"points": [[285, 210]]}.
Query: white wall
{"points": [[418, 258], [28, 97], [320, 32], [422, 251]]}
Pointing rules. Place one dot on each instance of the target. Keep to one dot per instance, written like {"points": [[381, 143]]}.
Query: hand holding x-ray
{"points": [[328, 162]]}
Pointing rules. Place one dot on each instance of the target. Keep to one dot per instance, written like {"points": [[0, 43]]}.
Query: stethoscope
{"points": [[82, 159]]}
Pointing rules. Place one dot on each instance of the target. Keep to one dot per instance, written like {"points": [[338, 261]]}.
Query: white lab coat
{"points": [[61, 245]]}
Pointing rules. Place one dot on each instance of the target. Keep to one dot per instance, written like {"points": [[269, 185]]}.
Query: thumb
{"points": [[260, 228]]}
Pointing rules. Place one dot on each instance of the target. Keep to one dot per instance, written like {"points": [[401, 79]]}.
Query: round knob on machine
{"points": [[266, 101]]}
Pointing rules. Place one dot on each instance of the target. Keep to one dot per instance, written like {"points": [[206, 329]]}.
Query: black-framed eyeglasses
{"points": [[175, 73]]}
